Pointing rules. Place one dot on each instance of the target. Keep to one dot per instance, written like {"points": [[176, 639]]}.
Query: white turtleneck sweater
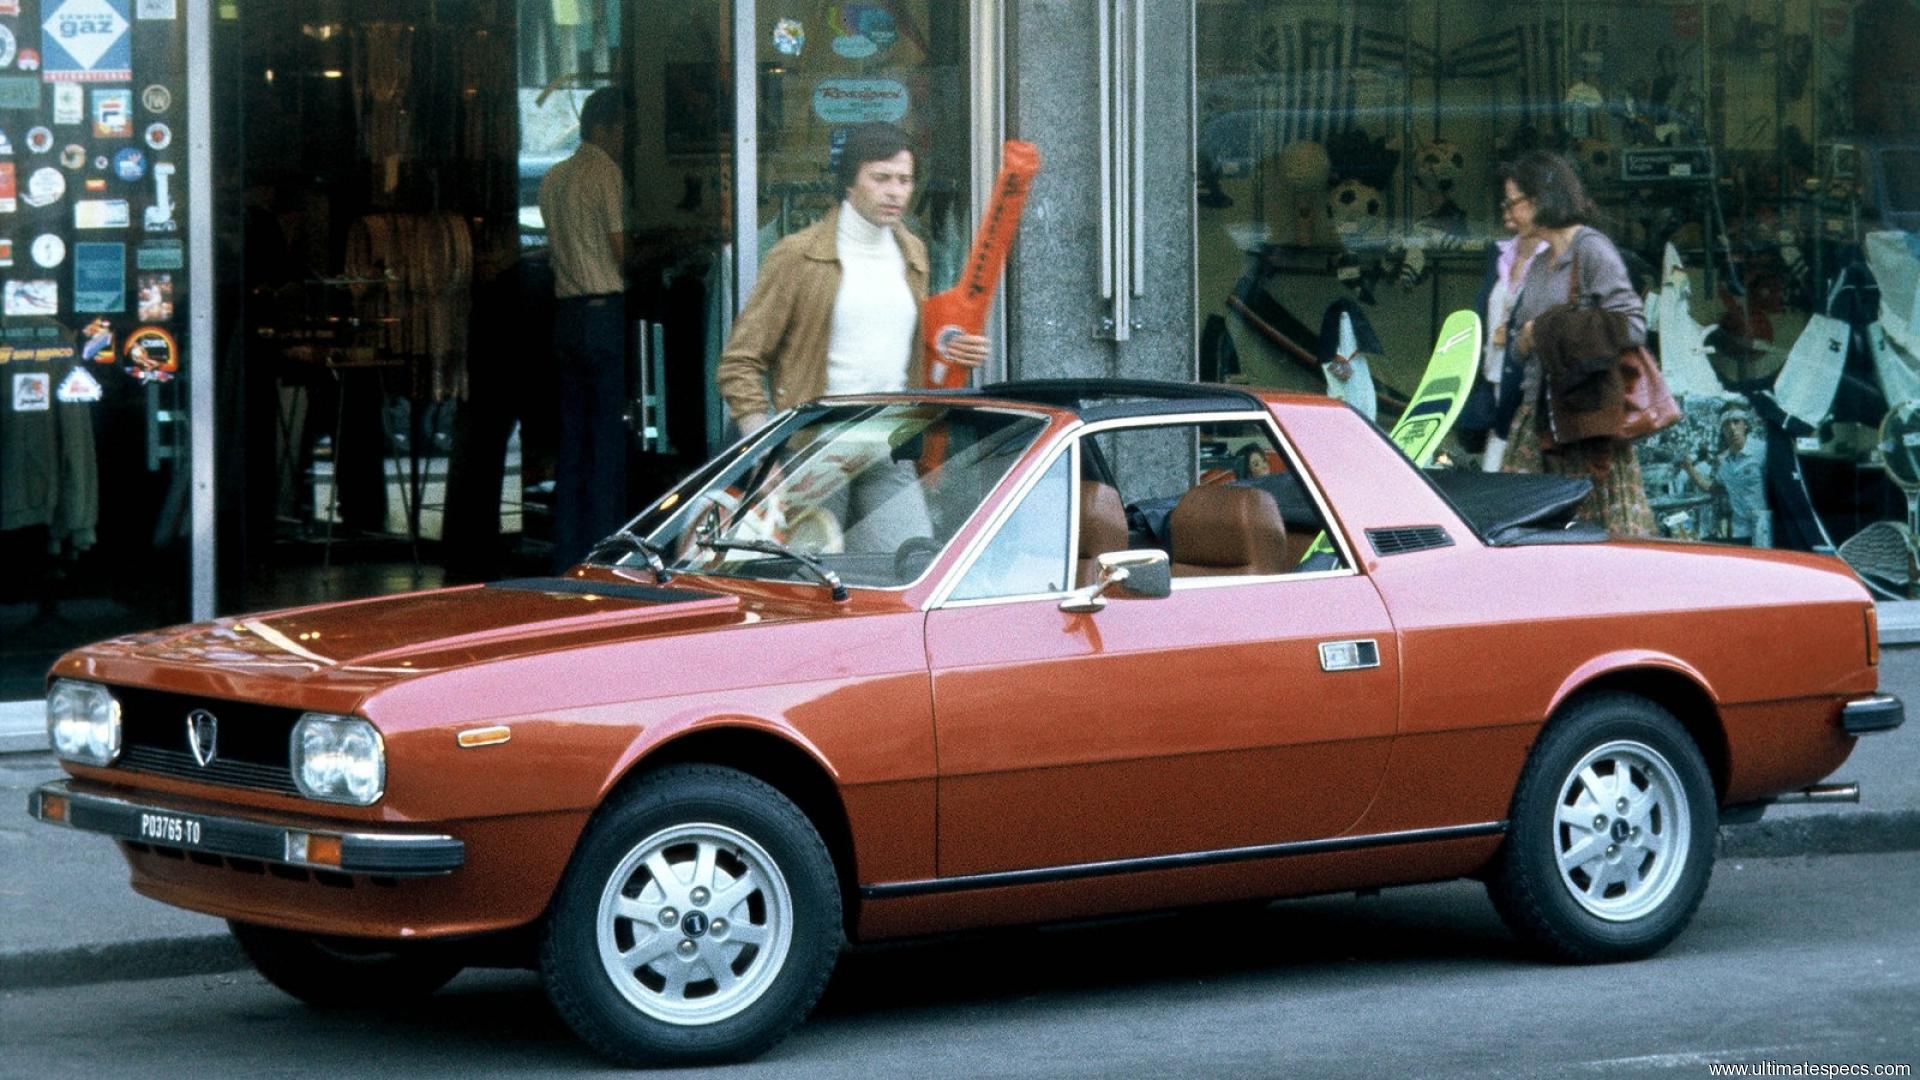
{"points": [[871, 337]]}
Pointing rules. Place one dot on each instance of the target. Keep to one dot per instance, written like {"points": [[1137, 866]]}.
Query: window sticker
{"points": [[32, 392], [150, 355], [69, 104], [101, 214], [87, 41], [113, 114], [99, 277], [78, 387], [39, 297]]}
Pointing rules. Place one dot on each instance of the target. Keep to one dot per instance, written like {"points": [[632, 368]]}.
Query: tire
{"points": [[633, 972], [331, 972], [1619, 885]]}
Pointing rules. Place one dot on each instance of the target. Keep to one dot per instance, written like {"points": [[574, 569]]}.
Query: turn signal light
{"points": [[313, 848], [1873, 636], [53, 808]]}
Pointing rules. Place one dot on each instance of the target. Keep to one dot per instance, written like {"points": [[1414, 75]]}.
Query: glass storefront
{"points": [[386, 413], [95, 478], [1755, 161]]}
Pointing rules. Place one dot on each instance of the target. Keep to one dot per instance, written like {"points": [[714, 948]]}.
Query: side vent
{"points": [[1408, 539]]}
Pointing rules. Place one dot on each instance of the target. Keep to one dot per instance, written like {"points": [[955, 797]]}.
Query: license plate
{"points": [[169, 828]]}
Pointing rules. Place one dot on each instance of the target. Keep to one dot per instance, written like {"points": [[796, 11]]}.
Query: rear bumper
{"points": [[1881, 712], [384, 854]]}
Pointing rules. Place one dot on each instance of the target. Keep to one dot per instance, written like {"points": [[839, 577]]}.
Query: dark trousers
{"points": [[590, 473]]}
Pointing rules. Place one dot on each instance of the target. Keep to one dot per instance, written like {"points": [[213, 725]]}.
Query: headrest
{"points": [[1228, 529], [1103, 520]]}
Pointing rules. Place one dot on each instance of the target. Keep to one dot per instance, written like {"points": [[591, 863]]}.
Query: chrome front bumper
{"points": [[320, 847]]}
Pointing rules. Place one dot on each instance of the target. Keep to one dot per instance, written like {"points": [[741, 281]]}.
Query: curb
{"points": [[161, 958], [1861, 832], [1858, 833]]}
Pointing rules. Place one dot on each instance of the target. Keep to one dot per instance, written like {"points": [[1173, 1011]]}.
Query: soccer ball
{"points": [[1437, 166], [1594, 158], [1356, 211]]}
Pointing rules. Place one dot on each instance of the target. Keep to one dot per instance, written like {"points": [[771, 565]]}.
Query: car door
{"points": [[1199, 722]]}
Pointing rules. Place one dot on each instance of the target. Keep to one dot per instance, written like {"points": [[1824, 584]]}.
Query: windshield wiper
{"points": [[773, 547], [624, 537]]}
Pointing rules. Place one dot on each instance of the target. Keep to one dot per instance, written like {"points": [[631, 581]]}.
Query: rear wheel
{"points": [[697, 923], [1610, 836], [329, 972]]}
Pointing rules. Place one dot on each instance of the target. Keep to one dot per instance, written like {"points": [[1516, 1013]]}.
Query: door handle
{"points": [[1351, 655]]}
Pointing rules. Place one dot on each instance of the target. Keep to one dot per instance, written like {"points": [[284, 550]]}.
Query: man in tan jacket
{"points": [[837, 306]]}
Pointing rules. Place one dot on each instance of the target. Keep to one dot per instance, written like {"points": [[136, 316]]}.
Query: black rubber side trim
{"points": [[651, 594], [1048, 875]]}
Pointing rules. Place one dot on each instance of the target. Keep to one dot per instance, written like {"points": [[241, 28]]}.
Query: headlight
{"points": [[83, 722], [339, 759]]}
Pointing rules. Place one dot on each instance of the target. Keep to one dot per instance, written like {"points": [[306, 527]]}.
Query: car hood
{"points": [[388, 637]]}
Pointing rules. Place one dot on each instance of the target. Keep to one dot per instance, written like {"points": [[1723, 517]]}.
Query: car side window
{"points": [[1222, 499], [1028, 557]]}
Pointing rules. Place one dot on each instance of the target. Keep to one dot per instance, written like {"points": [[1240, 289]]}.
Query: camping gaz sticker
{"points": [[32, 392], [789, 37], [69, 104], [156, 99], [150, 355], [48, 251], [79, 387], [45, 187], [130, 165], [113, 114], [87, 41], [159, 136]]}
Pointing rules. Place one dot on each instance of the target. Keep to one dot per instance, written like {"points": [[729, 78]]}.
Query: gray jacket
{"points": [[1603, 282]]}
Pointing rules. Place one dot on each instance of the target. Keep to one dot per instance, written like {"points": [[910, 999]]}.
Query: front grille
{"points": [[1407, 539], [250, 752]]}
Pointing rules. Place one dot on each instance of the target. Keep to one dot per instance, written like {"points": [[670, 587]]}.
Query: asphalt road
{"points": [[1789, 960]]}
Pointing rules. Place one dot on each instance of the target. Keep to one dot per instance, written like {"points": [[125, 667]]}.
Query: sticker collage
{"points": [[92, 257]]}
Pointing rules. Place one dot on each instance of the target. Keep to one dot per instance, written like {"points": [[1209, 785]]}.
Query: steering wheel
{"points": [[913, 556]]}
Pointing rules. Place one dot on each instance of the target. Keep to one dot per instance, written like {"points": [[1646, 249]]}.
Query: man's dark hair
{"points": [[869, 142], [1559, 198], [603, 109]]}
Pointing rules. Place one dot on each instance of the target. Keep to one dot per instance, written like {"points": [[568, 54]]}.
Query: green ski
{"points": [[1437, 402]]}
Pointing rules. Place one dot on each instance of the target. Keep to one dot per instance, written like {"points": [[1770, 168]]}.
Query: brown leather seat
{"points": [[1103, 526], [1221, 530]]}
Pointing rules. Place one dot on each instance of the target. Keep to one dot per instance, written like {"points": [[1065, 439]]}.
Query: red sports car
{"points": [[906, 664]]}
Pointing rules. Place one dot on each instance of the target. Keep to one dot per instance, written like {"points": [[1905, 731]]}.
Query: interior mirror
{"points": [[1144, 573]]}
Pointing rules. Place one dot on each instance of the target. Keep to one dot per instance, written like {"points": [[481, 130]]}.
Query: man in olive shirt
{"points": [[583, 203]]}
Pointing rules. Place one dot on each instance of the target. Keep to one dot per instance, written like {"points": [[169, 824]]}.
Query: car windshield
{"points": [[871, 492]]}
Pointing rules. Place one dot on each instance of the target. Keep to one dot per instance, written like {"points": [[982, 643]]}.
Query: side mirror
{"points": [[1145, 573]]}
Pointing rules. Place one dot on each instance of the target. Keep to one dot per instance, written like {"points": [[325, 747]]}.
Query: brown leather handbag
{"points": [[1643, 406], [1650, 406]]}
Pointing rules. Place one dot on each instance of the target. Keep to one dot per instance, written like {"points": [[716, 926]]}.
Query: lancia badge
{"points": [[203, 731]]}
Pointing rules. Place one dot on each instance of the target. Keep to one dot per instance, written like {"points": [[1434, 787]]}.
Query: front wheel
{"points": [[1610, 835], [697, 923]]}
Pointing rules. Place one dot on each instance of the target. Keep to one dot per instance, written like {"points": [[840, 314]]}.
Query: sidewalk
{"points": [[67, 915]]}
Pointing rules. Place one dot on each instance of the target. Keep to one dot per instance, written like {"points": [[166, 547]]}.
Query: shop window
{"points": [[825, 66], [1755, 161]]}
